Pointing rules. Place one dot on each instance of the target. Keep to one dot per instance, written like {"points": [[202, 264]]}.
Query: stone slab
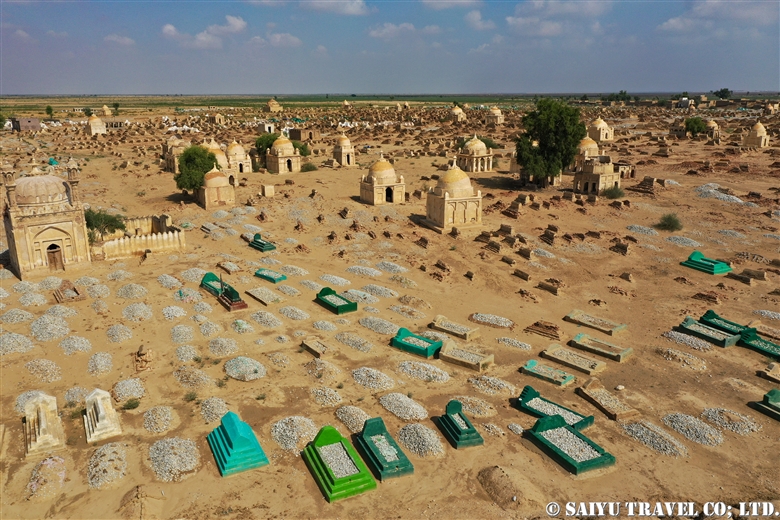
{"points": [[452, 353], [595, 393], [573, 359], [547, 373], [443, 324], [315, 347], [600, 324], [601, 347], [265, 296]]}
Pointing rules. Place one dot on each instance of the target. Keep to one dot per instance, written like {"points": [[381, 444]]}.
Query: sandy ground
{"points": [[740, 469]]}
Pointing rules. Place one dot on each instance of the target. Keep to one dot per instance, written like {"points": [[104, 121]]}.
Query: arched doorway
{"points": [[289, 165], [232, 180], [240, 167], [349, 160], [311, 136], [54, 258], [389, 194]]}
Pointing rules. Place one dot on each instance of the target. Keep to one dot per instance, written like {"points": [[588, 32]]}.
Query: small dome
{"points": [[215, 179], [712, 124], [343, 141], [40, 189], [588, 145], [456, 110], [382, 172], [235, 149], [495, 111], [599, 123], [758, 130], [93, 119], [475, 146], [282, 146], [455, 182]]}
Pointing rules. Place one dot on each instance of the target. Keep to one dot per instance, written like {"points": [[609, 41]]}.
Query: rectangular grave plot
{"points": [[270, 275], [260, 244], [457, 428], [600, 324], [595, 393], [765, 330], [601, 348], [380, 451], [574, 359], [315, 347], [451, 353], [336, 467], [414, 344], [530, 401], [568, 447], [707, 333], [265, 296], [711, 319], [329, 299], [547, 373], [750, 339], [442, 324]]}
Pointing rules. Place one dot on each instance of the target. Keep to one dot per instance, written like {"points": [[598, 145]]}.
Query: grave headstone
{"points": [[235, 446], [100, 419], [43, 430], [457, 428]]}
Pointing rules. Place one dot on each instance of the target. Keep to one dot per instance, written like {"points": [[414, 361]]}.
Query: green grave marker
{"points": [[235, 447]]}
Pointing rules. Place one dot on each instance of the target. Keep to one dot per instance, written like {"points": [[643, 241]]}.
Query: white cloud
{"points": [[390, 30], [320, 52], [284, 40], [447, 4], [704, 13], [345, 7], [235, 24], [55, 34], [583, 8], [121, 40], [481, 49], [23, 36], [431, 29], [534, 26], [208, 39], [474, 19], [269, 3]]}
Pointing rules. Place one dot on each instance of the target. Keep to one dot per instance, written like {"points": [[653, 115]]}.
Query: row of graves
{"points": [[343, 468]]}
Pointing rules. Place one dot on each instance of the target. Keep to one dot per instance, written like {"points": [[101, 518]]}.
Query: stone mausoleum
{"points": [[44, 221], [382, 185], [453, 203]]}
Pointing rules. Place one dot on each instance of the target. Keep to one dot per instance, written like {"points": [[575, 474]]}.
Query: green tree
{"points": [[669, 222], [265, 141], [49, 111], [194, 163], [2, 120], [695, 125], [116, 108], [723, 93], [99, 223], [553, 132], [584, 97], [302, 148], [488, 142], [87, 111]]}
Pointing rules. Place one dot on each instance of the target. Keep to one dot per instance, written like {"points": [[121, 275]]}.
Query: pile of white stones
{"points": [[173, 457], [132, 388], [294, 313], [420, 440], [100, 363], [221, 347], [493, 385], [372, 379], [173, 311], [352, 417], [45, 370], [137, 312], [475, 406], [244, 369], [118, 333], [686, 339], [655, 438], [48, 328], [11, 342], [693, 429], [325, 396], [266, 319], [379, 325], [354, 341], [423, 371], [213, 408], [131, 291], [730, 420], [158, 419], [73, 344], [292, 433], [191, 377], [108, 464], [570, 444], [403, 407]]}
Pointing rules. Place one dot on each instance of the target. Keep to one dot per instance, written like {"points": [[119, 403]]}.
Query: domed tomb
{"points": [[452, 203], [475, 156], [382, 185]]}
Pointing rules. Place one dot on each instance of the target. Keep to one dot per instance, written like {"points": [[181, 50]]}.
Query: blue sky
{"points": [[388, 47]]}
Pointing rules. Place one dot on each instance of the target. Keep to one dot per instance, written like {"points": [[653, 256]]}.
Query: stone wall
{"points": [[138, 245]]}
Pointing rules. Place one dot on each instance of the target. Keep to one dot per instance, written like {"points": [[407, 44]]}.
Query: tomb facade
{"points": [[457, 115], [453, 203], [273, 106], [600, 131], [597, 174], [475, 156], [494, 117], [95, 126], [100, 419], [344, 152], [382, 185], [44, 221], [283, 157], [757, 137], [43, 432], [216, 191]]}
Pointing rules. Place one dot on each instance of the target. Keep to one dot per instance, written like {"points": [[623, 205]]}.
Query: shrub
{"points": [[131, 404], [190, 396], [669, 222], [615, 192], [308, 167]]}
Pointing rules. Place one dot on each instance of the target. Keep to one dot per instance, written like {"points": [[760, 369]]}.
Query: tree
{"points": [[2, 120], [723, 93], [695, 125], [302, 148], [116, 108], [194, 163], [488, 142], [265, 141], [557, 130], [99, 223], [584, 97], [49, 111], [87, 111]]}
